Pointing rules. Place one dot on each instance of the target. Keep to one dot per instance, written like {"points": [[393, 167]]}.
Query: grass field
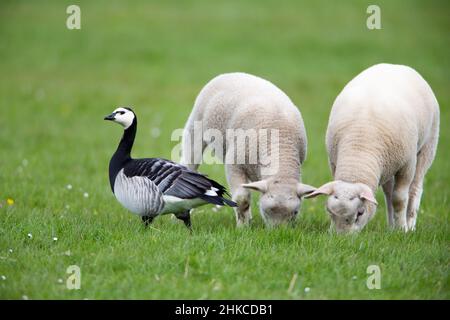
{"points": [[57, 84]]}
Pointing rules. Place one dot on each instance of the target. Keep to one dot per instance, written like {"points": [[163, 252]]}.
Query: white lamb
{"points": [[245, 103], [383, 130]]}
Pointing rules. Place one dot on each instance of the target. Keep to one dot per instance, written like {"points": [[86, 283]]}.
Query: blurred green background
{"points": [[57, 84]]}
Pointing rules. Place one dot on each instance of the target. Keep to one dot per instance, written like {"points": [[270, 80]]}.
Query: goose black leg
{"points": [[147, 220], [186, 218]]}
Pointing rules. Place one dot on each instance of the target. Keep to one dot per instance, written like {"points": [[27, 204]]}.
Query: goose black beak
{"points": [[110, 117]]}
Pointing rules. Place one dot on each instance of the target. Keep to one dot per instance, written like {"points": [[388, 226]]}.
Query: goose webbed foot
{"points": [[186, 218], [147, 220]]}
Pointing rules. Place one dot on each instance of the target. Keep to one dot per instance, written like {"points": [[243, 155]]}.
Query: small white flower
{"points": [[307, 289], [3, 277], [156, 132], [10, 250], [30, 235], [55, 239], [354, 277], [69, 187], [60, 280], [67, 253], [86, 195], [24, 297]]}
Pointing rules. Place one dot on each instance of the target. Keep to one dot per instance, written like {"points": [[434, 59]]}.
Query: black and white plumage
{"points": [[152, 186]]}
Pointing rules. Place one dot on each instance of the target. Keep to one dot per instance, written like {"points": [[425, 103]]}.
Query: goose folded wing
{"points": [[174, 179]]}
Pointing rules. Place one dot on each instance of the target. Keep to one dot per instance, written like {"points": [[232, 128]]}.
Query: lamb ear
{"points": [[304, 189], [260, 186], [369, 196], [327, 189]]}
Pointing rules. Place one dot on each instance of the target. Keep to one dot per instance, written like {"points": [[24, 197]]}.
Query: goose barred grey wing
{"points": [[173, 179]]}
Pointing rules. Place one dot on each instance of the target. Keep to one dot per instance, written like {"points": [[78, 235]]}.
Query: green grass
{"points": [[56, 85]]}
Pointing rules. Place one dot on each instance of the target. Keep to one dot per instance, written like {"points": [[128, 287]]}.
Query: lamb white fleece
{"points": [[244, 101], [383, 130]]}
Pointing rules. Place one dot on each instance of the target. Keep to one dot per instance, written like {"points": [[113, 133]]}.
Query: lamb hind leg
{"points": [[236, 178], [191, 155], [424, 159], [415, 195]]}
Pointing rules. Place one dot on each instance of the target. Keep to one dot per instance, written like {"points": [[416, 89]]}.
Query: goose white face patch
{"points": [[124, 117]]}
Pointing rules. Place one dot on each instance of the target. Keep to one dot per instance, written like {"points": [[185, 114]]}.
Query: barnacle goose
{"points": [[151, 187]]}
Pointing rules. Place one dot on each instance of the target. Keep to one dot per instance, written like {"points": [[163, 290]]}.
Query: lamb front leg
{"points": [[403, 180], [236, 178], [388, 189]]}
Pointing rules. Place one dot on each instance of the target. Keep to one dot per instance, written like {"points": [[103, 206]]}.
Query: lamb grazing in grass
{"points": [[243, 104], [383, 130]]}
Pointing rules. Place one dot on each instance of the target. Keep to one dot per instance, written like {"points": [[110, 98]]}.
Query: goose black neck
{"points": [[123, 152], [126, 143]]}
